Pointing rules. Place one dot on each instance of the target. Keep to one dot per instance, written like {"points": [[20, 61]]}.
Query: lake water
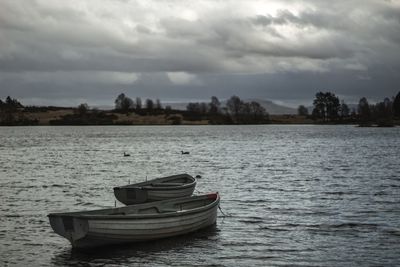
{"points": [[293, 195]]}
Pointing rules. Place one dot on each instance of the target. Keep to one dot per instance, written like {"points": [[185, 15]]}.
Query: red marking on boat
{"points": [[212, 195]]}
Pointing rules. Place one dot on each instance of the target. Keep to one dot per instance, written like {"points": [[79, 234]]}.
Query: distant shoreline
{"points": [[327, 111], [66, 116], [69, 117]]}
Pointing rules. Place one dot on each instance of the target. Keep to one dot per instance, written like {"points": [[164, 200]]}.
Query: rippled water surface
{"points": [[303, 195]]}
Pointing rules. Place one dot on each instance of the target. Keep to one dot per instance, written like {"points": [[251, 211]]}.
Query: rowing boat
{"points": [[136, 223], [169, 187]]}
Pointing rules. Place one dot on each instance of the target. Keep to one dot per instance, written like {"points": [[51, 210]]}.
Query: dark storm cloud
{"points": [[283, 50]]}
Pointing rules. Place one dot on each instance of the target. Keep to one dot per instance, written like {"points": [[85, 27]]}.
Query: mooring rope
{"points": [[219, 206], [223, 213]]}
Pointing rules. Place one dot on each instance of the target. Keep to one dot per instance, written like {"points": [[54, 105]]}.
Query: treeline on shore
{"points": [[11, 113], [236, 111], [327, 109]]}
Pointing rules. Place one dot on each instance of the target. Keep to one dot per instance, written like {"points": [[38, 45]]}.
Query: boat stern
{"points": [[69, 227], [130, 195]]}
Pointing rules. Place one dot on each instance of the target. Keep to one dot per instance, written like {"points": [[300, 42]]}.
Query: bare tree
{"points": [[364, 111], [149, 104], [123, 103], [344, 110], [83, 109], [302, 110], [215, 105], [233, 104], [257, 111], [138, 103], [158, 104], [326, 106]]}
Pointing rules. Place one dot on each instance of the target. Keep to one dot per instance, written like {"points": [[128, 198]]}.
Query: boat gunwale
{"points": [[136, 216], [146, 185]]}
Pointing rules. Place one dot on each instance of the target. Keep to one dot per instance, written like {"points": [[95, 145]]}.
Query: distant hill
{"points": [[271, 107], [177, 105]]}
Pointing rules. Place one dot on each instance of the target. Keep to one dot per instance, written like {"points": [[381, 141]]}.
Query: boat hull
{"points": [[91, 232], [146, 192]]}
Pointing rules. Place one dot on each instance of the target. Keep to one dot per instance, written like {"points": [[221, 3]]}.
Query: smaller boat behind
{"points": [[136, 223], [175, 186]]}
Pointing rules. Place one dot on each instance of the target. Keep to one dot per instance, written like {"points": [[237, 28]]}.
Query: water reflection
{"points": [[142, 252]]}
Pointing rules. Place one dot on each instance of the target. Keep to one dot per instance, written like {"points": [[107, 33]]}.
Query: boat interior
{"points": [[174, 180], [159, 207]]}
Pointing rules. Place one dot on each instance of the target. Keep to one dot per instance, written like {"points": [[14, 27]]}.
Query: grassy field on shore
{"points": [[72, 116], [132, 118]]}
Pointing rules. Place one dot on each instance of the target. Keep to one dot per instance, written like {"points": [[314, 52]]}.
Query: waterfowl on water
{"points": [[126, 154], [185, 152]]}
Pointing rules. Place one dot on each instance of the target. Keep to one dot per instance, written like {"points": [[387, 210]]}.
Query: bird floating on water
{"points": [[185, 152], [126, 154]]}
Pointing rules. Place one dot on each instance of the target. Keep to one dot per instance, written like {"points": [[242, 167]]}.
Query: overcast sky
{"points": [[70, 52]]}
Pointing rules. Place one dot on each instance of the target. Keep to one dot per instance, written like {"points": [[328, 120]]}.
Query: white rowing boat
{"points": [[135, 223]]}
